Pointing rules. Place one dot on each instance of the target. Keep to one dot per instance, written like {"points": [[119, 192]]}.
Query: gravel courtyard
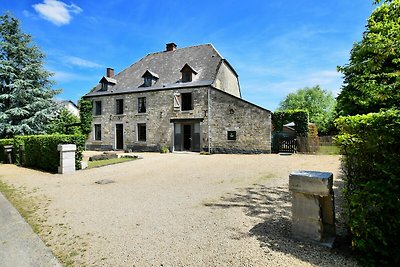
{"points": [[177, 210]]}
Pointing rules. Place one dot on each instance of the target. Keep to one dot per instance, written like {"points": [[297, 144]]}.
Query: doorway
{"points": [[187, 136], [119, 136]]}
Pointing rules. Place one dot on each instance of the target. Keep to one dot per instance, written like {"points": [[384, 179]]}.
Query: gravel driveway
{"points": [[177, 210]]}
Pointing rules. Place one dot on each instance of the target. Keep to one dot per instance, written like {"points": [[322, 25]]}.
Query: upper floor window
{"points": [[187, 101], [97, 108], [150, 78], [187, 73], [119, 106], [141, 105]]}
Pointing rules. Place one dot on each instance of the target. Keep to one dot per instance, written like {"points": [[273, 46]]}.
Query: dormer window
{"points": [[106, 83], [149, 78], [187, 73]]}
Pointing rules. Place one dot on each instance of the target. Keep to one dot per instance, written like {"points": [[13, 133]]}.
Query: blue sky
{"points": [[275, 46]]}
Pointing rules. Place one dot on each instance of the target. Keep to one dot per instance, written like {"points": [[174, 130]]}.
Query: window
{"points": [[97, 132], [186, 76], [231, 135], [148, 80], [141, 105], [119, 106], [141, 130], [104, 86], [186, 101], [97, 108]]}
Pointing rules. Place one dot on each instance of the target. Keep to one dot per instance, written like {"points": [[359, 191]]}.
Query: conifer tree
{"points": [[26, 97]]}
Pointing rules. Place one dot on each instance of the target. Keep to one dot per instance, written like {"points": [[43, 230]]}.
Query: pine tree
{"points": [[26, 98]]}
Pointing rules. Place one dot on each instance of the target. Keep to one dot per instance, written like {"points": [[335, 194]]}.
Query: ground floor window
{"points": [[141, 132], [97, 132]]}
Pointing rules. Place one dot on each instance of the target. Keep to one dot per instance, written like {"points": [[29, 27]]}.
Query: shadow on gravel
{"points": [[273, 206]]}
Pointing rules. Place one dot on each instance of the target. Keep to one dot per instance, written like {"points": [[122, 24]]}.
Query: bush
{"points": [[371, 147], [299, 117], [4, 142], [86, 116], [40, 151]]}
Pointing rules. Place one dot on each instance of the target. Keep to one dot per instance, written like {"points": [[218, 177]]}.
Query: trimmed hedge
{"points": [[4, 142], [371, 147], [299, 117], [40, 151]]}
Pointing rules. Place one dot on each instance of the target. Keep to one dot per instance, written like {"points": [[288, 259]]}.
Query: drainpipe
{"points": [[209, 118]]}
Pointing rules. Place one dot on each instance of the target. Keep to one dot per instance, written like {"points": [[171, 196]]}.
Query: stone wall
{"points": [[251, 123], [159, 112]]}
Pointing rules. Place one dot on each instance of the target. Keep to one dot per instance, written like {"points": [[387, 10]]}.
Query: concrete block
{"points": [[67, 155], [307, 229], [311, 182], [68, 147]]}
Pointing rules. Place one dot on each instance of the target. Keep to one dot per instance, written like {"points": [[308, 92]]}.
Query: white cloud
{"points": [[80, 62], [56, 11]]}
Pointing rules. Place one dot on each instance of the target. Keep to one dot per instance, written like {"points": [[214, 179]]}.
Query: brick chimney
{"points": [[110, 72], [171, 47]]}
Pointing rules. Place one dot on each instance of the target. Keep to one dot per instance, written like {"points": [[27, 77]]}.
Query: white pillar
{"points": [[67, 158]]}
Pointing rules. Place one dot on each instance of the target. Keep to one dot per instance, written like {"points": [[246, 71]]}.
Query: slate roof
{"points": [[167, 65]]}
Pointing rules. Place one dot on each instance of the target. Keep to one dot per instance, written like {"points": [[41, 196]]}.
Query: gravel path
{"points": [[178, 210]]}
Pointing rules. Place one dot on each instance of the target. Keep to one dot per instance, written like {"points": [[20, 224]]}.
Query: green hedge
{"points": [[371, 147], [299, 117], [40, 151], [4, 142]]}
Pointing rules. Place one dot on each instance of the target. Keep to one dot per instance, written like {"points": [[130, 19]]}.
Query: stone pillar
{"points": [[8, 153], [67, 158], [313, 208]]}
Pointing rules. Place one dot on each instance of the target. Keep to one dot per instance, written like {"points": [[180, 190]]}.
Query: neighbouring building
{"points": [[186, 99], [70, 106]]}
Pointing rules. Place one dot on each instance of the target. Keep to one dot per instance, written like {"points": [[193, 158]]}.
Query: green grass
{"points": [[25, 204], [105, 162], [328, 150]]}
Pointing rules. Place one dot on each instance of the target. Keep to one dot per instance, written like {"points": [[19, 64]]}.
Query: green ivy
{"points": [[371, 147], [86, 116]]}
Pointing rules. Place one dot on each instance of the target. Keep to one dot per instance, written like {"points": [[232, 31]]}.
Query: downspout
{"points": [[209, 118]]}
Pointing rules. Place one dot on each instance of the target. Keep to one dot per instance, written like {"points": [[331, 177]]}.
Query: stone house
{"points": [[185, 99]]}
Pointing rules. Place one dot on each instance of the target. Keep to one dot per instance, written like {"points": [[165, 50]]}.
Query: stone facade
{"points": [[252, 124]]}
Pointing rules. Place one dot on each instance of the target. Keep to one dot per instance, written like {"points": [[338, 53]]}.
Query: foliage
{"points": [[299, 117], [164, 149], [319, 103], [40, 151], [86, 116], [26, 99], [4, 142], [371, 145], [372, 76], [60, 123]]}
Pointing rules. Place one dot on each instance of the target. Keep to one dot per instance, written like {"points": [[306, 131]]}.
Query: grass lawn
{"points": [[328, 150], [105, 162]]}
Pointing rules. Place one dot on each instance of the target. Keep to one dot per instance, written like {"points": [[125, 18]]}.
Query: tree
{"points": [[64, 123], [26, 97], [319, 104], [372, 76]]}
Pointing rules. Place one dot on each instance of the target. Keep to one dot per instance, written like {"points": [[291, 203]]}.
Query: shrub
{"points": [[299, 117], [40, 151], [371, 147], [164, 149], [86, 116]]}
